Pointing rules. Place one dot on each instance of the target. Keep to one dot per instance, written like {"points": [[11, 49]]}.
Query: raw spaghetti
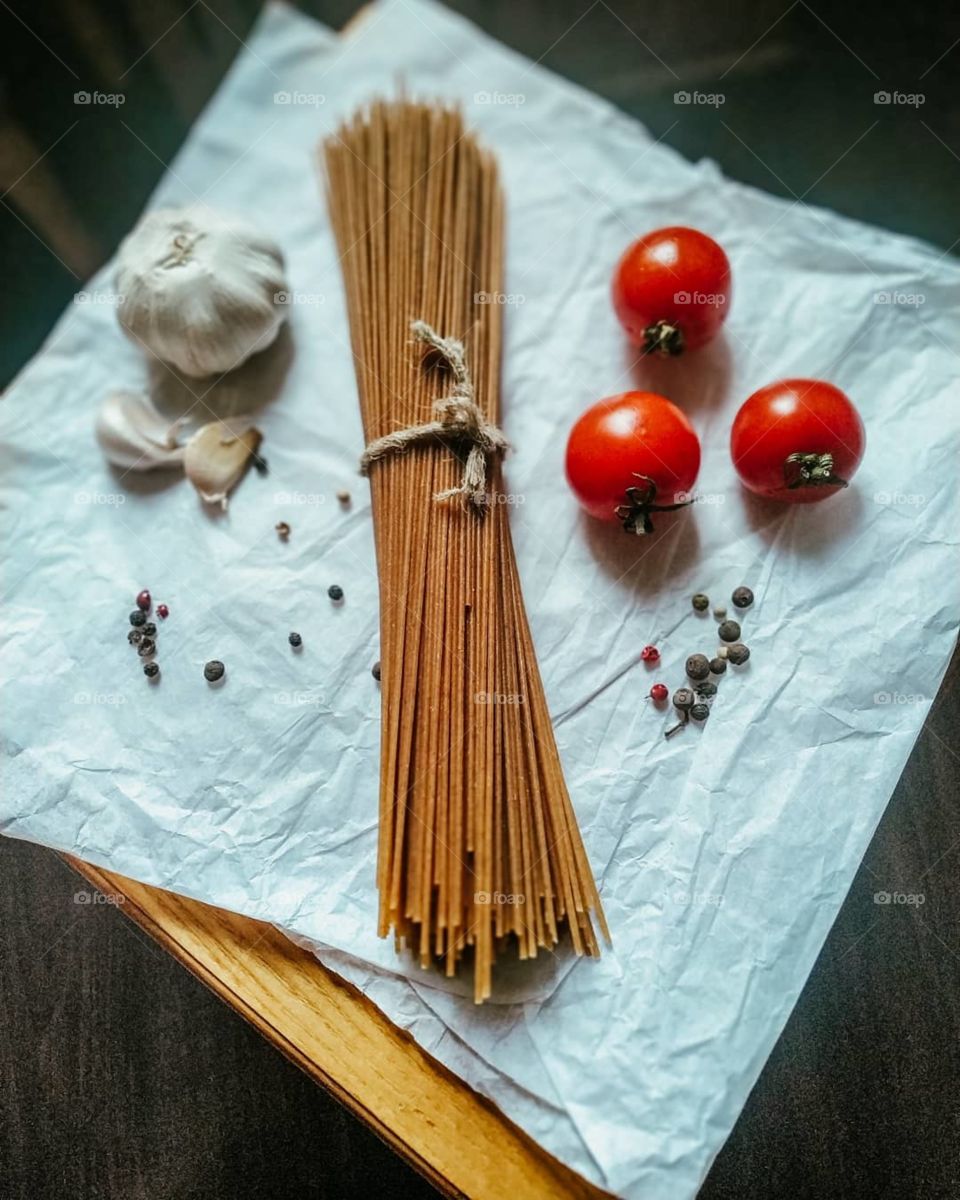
{"points": [[478, 841]]}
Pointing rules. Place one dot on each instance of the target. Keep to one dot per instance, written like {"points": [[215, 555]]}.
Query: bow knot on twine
{"points": [[457, 421]]}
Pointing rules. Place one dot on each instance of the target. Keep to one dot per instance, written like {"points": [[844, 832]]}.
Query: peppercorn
{"points": [[698, 666], [700, 712], [149, 630], [213, 670], [335, 592], [147, 648], [162, 611], [134, 636], [151, 670], [143, 600], [718, 665], [742, 597], [729, 631], [683, 699], [706, 690], [701, 602], [739, 654], [295, 640], [137, 617], [343, 496], [375, 671], [659, 692], [650, 654], [719, 612], [283, 531]]}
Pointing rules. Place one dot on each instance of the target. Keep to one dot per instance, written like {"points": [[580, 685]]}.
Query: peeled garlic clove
{"points": [[133, 435], [216, 458]]}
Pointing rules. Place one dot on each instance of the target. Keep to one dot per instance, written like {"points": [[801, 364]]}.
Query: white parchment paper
{"points": [[723, 854]]}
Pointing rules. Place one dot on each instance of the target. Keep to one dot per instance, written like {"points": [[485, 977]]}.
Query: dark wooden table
{"points": [[123, 1078]]}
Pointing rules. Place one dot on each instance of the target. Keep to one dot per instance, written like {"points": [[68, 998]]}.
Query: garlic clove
{"points": [[134, 436], [216, 458]]}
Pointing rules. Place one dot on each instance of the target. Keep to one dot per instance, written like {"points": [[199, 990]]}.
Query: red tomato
{"points": [[671, 290], [630, 455], [799, 441]]}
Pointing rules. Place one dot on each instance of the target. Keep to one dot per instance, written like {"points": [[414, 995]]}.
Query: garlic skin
{"points": [[134, 436], [216, 459], [200, 289]]}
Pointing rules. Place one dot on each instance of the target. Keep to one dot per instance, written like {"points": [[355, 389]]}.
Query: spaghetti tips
{"points": [[478, 842]]}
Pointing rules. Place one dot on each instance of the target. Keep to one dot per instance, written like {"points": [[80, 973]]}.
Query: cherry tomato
{"points": [[671, 290], [631, 455], [799, 440]]}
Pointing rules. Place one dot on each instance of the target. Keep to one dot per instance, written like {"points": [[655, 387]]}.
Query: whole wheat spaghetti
{"points": [[478, 843]]}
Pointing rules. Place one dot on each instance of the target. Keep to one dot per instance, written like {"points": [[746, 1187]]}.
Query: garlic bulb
{"points": [[216, 459], [201, 290], [133, 435]]}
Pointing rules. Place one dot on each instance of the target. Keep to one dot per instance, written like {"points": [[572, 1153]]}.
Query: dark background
{"points": [[123, 1079]]}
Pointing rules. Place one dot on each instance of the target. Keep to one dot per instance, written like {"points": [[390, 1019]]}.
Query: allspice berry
{"points": [[738, 654], [728, 631], [683, 699], [718, 665], [213, 670], [742, 597], [701, 602], [700, 711], [698, 666]]}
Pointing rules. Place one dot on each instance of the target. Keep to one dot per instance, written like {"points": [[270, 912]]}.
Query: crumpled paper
{"points": [[724, 853]]}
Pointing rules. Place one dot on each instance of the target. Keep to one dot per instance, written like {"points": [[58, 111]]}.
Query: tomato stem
{"points": [[664, 339], [812, 470], [640, 503]]}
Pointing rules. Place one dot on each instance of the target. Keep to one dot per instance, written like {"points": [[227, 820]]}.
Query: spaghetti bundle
{"points": [[478, 842]]}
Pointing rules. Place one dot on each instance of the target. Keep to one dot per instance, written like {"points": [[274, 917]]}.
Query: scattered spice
{"points": [[344, 497], [706, 690], [742, 597], [650, 654], [718, 665], [723, 652], [260, 464], [729, 631], [137, 617], [720, 612], [683, 699], [698, 666], [283, 530], [213, 670], [134, 636], [295, 640], [375, 671], [739, 654], [162, 611], [143, 600], [335, 592], [659, 692], [149, 630], [151, 670], [700, 711], [147, 648], [700, 602]]}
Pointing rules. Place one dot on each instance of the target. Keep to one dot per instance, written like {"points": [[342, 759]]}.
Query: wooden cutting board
{"points": [[453, 1136]]}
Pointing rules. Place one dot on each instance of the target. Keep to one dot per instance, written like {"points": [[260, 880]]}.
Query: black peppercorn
{"points": [[213, 670], [260, 464], [147, 648], [718, 665], [295, 640], [149, 630], [728, 631], [375, 671], [134, 637], [700, 712], [683, 699], [742, 597], [706, 690], [335, 592], [701, 602], [738, 654], [698, 666], [151, 670], [138, 618]]}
